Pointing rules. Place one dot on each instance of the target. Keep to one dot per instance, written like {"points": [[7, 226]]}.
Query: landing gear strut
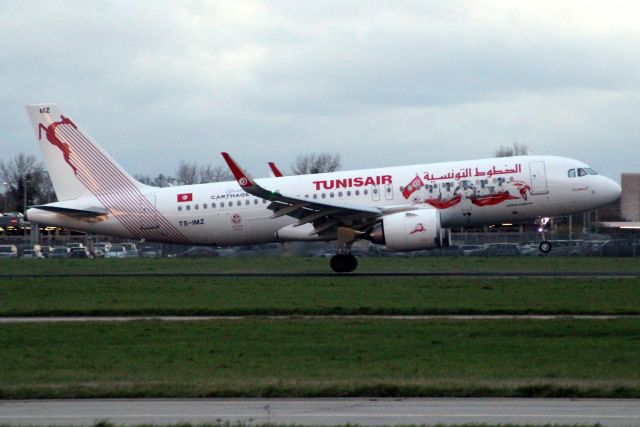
{"points": [[545, 245], [344, 263]]}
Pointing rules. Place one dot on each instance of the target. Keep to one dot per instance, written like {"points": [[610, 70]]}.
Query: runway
{"points": [[460, 317], [327, 412], [480, 274]]}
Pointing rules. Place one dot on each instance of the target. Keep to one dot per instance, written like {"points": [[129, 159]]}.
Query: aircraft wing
{"points": [[325, 216]]}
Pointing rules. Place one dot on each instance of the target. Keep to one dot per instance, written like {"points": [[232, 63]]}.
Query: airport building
{"points": [[630, 199]]}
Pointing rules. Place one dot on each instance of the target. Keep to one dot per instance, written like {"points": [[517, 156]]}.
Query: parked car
{"points": [[131, 247], [502, 249], [79, 253], [618, 248], [149, 251], [32, 254], [72, 245], [8, 251], [472, 250], [45, 250], [116, 251], [103, 246], [59, 252]]}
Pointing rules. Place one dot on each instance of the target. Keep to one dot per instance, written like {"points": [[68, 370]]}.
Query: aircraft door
{"points": [[388, 191], [148, 214], [375, 193], [538, 173]]}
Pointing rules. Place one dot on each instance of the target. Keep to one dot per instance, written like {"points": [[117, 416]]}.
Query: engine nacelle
{"points": [[409, 231]]}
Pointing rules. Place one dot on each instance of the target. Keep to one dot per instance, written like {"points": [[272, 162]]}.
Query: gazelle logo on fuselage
{"points": [[53, 139]]}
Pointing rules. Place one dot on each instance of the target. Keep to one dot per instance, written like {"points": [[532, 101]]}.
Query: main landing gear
{"points": [[545, 245], [344, 263]]}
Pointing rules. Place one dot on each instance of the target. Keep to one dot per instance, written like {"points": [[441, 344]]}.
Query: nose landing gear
{"points": [[545, 245]]}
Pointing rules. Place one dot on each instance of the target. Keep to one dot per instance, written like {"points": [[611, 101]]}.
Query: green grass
{"points": [[315, 295], [321, 358], [298, 264]]}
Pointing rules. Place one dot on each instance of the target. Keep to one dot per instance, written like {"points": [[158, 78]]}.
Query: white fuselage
{"points": [[474, 192]]}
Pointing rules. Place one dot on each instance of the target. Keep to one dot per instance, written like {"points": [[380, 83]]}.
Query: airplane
{"points": [[405, 208]]}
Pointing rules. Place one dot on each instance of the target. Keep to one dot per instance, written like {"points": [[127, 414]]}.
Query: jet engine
{"points": [[409, 231]]}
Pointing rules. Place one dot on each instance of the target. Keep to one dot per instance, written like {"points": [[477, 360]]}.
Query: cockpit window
{"points": [[591, 171], [582, 172], [572, 173]]}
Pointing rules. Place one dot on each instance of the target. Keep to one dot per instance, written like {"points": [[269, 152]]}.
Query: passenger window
{"points": [[331, 194], [239, 203], [247, 202], [188, 207], [572, 173], [339, 193], [179, 208], [324, 196], [255, 201], [315, 196], [222, 204], [582, 172], [401, 188], [365, 192], [357, 192], [213, 205], [204, 206], [196, 207], [348, 193], [264, 201]]}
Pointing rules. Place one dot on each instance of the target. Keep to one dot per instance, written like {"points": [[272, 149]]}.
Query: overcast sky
{"points": [[380, 82]]}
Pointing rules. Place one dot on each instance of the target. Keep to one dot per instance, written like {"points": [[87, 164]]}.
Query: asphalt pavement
{"points": [[328, 412]]}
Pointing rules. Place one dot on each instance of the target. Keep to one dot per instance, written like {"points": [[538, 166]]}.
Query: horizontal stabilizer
{"points": [[89, 212]]}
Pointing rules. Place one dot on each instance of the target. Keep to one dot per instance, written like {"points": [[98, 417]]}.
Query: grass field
{"points": [[299, 264], [321, 358], [315, 295]]}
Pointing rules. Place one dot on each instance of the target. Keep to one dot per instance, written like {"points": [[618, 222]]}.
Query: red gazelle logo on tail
{"points": [[53, 139]]}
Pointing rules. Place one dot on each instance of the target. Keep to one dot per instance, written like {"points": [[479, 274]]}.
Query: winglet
{"points": [[275, 170], [240, 175]]}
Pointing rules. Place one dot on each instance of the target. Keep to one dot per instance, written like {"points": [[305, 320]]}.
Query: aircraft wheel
{"points": [[343, 263], [352, 263], [545, 247]]}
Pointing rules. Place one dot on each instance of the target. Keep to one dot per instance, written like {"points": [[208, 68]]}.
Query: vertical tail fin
{"points": [[76, 164]]}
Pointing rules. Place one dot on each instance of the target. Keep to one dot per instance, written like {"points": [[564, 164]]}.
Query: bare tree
{"points": [[187, 173], [515, 150], [25, 171], [210, 173], [312, 163], [191, 173]]}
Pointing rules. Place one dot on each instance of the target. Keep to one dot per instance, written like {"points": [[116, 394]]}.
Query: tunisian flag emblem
{"points": [[185, 197], [413, 186]]}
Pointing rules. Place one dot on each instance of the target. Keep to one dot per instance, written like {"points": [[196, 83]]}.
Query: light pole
{"points": [[5, 184], [26, 179]]}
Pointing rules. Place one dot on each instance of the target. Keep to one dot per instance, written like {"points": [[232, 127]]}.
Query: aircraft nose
{"points": [[611, 190]]}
